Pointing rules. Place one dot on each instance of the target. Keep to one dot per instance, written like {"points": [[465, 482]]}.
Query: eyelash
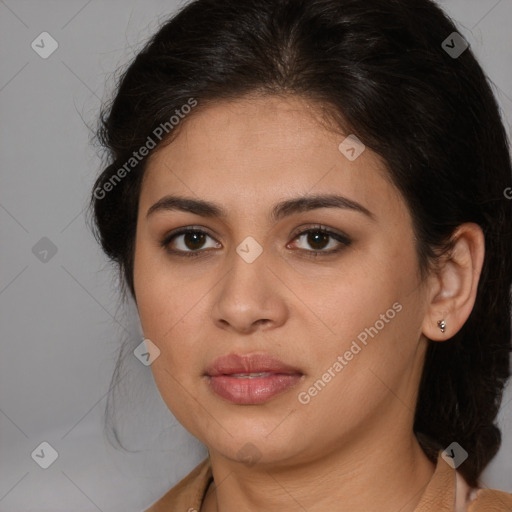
{"points": [[343, 239]]}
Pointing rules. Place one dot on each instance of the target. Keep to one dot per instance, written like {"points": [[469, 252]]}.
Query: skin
{"points": [[352, 446]]}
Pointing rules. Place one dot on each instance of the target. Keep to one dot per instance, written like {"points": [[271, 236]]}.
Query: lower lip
{"points": [[245, 391]]}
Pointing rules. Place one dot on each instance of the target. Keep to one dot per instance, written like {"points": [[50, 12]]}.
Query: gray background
{"points": [[61, 319]]}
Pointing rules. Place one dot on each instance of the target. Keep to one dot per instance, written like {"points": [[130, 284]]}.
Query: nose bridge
{"points": [[249, 253], [248, 266], [249, 294]]}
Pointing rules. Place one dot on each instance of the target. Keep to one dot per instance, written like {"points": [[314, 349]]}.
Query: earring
{"points": [[442, 325]]}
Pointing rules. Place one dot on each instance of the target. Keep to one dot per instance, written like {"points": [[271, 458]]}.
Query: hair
{"points": [[378, 68]]}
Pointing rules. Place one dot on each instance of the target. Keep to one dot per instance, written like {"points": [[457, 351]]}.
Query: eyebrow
{"points": [[279, 211]]}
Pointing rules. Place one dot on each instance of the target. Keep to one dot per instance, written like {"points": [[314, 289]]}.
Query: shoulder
{"points": [[489, 500], [188, 493]]}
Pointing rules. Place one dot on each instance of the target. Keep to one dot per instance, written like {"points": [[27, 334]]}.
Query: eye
{"points": [[191, 241], [322, 241], [187, 242]]}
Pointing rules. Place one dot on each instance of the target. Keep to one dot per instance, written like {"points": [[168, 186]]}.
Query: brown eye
{"points": [[188, 242], [317, 240], [320, 240], [194, 240]]}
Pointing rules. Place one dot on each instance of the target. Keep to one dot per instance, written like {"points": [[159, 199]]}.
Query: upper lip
{"points": [[248, 363]]}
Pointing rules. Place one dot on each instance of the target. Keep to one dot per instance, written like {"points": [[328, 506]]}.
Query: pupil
{"points": [[316, 238], [197, 240]]}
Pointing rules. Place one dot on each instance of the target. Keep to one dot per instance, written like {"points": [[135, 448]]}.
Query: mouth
{"points": [[250, 379], [250, 375]]}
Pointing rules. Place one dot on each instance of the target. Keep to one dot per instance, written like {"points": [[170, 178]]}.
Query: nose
{"points": [[250, 297]]}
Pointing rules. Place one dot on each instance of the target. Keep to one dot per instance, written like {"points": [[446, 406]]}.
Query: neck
{"points": [[394, 476]]}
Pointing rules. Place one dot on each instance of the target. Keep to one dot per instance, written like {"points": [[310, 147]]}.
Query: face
{"points": [[313, 307]]}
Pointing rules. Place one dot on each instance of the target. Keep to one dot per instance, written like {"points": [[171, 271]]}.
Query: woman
{"points": [[306, 200]]}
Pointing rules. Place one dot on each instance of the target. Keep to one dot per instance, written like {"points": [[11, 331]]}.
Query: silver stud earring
{"points": [[442, 325]]}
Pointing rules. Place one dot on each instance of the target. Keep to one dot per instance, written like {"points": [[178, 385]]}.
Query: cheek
{"points": [[354, 296], [165, 306], [172, 307], [373, 314], [161, 301]]}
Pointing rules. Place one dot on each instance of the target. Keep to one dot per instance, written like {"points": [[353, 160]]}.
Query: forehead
{"points": [[263, 148]]}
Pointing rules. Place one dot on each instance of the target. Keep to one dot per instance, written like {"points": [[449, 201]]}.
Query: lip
{"points": [[248, 363], [224, 379]]}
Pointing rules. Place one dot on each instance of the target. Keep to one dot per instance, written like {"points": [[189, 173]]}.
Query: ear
{"points": [[453, 287]]}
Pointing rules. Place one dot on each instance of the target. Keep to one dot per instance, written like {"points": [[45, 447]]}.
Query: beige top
{"points": [[447, 491]]}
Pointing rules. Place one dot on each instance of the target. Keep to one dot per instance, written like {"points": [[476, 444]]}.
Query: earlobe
{"points": [[454, 286], [442, 325]]}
